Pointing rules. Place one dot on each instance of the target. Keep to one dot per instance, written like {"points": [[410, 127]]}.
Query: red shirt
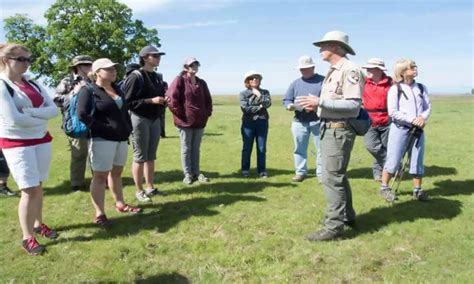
{"points": [[374, 99], [37, 100]]}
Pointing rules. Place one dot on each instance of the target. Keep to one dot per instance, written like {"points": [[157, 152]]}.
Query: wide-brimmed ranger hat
{"points": [[81, 59], [304, 62], [252, 74], [150, 49], [336, 36], [102, 63], [375, 63]]}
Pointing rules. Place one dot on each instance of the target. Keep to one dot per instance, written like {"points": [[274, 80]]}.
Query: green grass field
{"points": [[252, 230]]}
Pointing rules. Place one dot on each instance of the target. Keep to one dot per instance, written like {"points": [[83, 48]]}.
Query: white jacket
{"points": [[18, 118]]}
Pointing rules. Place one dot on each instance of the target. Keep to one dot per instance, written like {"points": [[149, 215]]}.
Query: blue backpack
{"points": [[72, 125]]}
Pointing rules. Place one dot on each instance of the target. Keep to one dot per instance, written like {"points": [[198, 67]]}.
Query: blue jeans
{"points": [[301, 134], [254, 130]]}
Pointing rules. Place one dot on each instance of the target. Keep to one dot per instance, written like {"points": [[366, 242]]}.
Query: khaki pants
{"points": [[336, 147], [79, 151]]}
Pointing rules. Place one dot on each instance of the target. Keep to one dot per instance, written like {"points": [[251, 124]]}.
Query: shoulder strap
{"points": [[401, 92], [9, 88], [422, 89], [35, 85]]}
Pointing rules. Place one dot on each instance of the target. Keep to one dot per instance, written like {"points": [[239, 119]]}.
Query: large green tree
{"points": [[99, 28]]}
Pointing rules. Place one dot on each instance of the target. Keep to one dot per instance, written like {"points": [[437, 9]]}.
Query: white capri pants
{"points": [[29, 166], [104, 154]]}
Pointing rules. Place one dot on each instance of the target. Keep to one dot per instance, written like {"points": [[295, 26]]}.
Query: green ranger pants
{"points": [[79, 151], [336, 147]]}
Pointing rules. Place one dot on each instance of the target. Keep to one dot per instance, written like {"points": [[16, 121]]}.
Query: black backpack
{"points": [[12, 92]]}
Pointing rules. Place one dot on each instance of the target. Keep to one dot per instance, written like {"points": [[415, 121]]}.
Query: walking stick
{"points": [[414, 135]]}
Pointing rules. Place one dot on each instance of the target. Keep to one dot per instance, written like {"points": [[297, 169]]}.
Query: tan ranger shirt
{"points": [[343, 81]]}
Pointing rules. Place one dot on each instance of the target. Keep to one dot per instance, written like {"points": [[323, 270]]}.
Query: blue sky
{"points": [[230, 37]]}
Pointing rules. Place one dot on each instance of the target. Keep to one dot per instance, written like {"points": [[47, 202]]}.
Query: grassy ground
{"points": [[252, 230]]}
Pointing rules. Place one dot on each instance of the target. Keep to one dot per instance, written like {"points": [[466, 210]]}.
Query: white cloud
{"points": [[194, 25], [140, 6]]}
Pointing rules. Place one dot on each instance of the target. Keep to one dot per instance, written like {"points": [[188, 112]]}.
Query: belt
{"points": [[335, 125]]}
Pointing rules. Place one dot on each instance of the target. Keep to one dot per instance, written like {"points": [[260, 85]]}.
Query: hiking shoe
{"points": [[323, 235], [102, 221], [298, 178], [32, 247], [4, 190], [420, 195], [202, 178], [45, 231], [76, 188], [388, 195], [245, 174], [142, 196], [263, 175], [155, 191], [188, 180]]}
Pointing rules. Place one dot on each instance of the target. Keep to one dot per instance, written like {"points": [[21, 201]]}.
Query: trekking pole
{"points": [[415, 132]]}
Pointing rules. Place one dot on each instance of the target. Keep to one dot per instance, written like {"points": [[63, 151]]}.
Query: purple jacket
{"points": [[404, 110], [190, 104]]}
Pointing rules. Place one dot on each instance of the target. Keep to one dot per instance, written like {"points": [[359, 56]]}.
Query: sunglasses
{"points": [[155, 55], [254, 78], [22, 59]]}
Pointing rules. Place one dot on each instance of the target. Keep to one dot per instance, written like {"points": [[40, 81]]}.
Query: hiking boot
{"points": [[202, 178], [155, 191], [245, 174], [323, 235], [188, 179], [32, 247], [76, 188], [102, 221], [263, 175], [142, 196], [298, 178], [420, 195], [388, 195], [4, 190], [45, 231]]}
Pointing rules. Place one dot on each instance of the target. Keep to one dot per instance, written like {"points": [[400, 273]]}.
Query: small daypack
{"points": [[132, 69], [72, 125], [401, 92], [360, 124]]}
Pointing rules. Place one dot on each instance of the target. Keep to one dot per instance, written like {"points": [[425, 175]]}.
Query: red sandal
{"points": [[128, 209]]}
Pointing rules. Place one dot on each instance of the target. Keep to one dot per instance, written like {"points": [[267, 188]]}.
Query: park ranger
{"points": [[340, 102]]}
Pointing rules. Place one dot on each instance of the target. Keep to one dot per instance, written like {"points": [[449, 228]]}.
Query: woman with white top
{"points": [[25, 108]]}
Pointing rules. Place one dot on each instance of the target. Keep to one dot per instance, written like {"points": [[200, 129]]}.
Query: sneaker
{"points": [[245, 174], [188, 180], [32, 247], [102, 221], [323, 235], [154, 191], [4, 190], [298, 178], [142, 196], [420, 195], [263, 175], [45, 231], [203, 178], [388, 195]]}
